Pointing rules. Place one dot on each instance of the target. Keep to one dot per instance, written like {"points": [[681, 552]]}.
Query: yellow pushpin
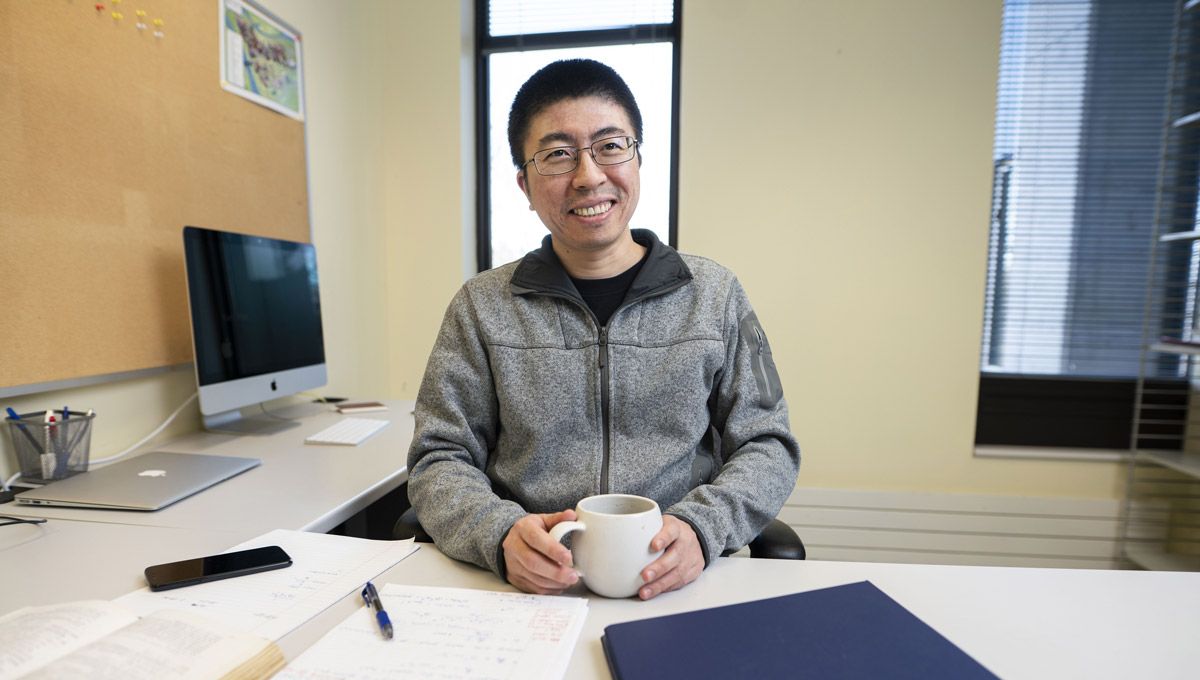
{"points": [[140, 12], [158, 22], [117, 15]]}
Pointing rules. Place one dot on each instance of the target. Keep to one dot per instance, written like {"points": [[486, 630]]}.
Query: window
{"points": [[515, 38], [1079, 129]]}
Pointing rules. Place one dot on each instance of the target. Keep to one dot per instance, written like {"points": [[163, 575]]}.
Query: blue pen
{"points": [[32, 440], [372, 599], [66, 413]]}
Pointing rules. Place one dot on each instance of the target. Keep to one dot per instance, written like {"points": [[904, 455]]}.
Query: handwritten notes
{"points": [[271, 604], [450, 633]]}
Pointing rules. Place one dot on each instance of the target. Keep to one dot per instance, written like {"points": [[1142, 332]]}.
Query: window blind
{"points": [[524, 17], [1078, 150], [1078, 144]]}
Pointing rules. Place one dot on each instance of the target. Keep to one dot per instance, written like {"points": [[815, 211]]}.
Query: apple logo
{"points": [[273, 387], [152, 473]]}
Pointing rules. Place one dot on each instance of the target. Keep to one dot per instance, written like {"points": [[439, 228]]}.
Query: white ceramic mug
{"points": [[611, 545]]}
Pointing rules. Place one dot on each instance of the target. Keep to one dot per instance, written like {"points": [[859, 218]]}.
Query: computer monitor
{"points": [[256, 325]]}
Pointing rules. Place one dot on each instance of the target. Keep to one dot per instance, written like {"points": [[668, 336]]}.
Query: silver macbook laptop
{"points": [[148, 482]]}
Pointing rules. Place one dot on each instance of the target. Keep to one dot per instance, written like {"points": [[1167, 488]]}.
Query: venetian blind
{"points": [[1079, 130], [523, 17]]}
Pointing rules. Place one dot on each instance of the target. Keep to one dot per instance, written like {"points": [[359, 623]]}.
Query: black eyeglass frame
{"points": [[577, 151]]}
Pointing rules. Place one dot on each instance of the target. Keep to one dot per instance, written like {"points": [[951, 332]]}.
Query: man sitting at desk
{"points": [[603, 362]]}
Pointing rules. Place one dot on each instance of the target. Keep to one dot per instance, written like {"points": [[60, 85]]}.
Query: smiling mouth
{"points": [[592, 211]]}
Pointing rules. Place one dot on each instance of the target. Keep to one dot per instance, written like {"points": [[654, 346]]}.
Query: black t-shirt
{"points": [[603, 296]]}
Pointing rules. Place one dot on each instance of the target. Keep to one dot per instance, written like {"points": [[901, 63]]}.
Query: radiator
{"points": [[937, 528]]}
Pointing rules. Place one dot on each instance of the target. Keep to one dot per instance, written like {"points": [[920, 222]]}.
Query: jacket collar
{"points": [[540, 271]]}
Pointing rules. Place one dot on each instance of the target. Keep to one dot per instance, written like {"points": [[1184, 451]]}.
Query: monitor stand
{"points": [[233, 422]]}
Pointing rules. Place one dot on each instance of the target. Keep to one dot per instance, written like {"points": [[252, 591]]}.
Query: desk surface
{"points": [[299, 486], [63, 560], [1019, 622]]}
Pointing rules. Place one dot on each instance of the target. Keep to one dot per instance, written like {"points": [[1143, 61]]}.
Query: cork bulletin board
{"points": [[115, 133]]}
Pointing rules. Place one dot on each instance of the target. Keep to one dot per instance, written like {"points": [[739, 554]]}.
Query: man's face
{"points": [[609, 192]]}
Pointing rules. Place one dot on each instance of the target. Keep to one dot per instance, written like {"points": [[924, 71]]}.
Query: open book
{"points": [[102, 639]]}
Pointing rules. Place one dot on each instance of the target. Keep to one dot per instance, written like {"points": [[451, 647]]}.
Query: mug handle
{"points": [[562, 529]]}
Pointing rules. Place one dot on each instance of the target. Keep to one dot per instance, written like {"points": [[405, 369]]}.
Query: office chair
{"points": [[777, 542]]}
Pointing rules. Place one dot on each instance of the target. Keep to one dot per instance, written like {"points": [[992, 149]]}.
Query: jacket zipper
{"points": [[605, 395], [762, 364], [604, 399]]}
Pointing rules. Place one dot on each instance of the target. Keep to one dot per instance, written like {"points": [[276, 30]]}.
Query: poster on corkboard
{"points": [[261, 58], [117, 135]]}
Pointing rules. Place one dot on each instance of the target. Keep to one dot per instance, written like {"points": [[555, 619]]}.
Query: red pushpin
{"points": [[99, 8]]}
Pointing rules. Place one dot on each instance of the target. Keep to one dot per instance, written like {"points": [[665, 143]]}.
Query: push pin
{"points": [[158, 34], [99, 8], [141, 26], [140, 12], [117, 15], [158, 22]]}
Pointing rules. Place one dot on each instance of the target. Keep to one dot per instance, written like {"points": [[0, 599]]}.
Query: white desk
{"points": [[62, 560], [298, 486], [1056, 624], [1021, 623]]}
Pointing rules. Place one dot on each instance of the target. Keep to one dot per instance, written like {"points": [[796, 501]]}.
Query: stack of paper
{"points": [[325, 568], [450, 633]]}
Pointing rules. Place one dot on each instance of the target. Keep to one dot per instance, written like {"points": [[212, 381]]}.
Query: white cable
{"points": [[8, 484], [149, 436]]}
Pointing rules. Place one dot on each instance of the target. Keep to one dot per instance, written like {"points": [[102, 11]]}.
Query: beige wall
{"points": [[853, 206], [861, 234]]}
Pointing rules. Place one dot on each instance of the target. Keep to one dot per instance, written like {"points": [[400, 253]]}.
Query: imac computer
{"points": [[256, 325]]}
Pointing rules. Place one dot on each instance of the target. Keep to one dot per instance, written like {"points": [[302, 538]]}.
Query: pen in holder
{"points": [[47, 451]]}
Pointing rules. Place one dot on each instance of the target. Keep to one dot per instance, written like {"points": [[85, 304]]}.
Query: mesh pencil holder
{"points": [[50, 451]]}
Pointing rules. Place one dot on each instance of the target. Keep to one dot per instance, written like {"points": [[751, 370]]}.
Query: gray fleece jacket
{"points": [[527, 405]]}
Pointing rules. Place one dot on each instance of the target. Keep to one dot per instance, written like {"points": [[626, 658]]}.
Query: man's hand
{"points": [[679, 565], [536, 563]]}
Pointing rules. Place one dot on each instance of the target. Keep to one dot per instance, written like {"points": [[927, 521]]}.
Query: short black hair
{"points": [[566, 79]]}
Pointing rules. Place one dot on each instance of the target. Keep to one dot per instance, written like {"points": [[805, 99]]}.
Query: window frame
{"points": [[487, 45], [1063, 412]]}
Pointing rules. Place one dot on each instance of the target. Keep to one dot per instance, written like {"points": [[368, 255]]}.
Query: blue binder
{"points": [[845, 632]]}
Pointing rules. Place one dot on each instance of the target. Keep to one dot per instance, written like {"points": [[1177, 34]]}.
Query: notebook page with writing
{"points": [[450, 633], [270, 604]]}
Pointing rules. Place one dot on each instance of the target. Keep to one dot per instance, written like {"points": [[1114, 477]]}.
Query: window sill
{"points": [[1052, 453]]}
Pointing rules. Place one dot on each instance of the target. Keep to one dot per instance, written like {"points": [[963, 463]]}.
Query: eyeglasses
{"points": [[559, 160]]}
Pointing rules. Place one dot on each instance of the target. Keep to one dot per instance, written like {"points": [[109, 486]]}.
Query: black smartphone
{"points": [[215, 567]]}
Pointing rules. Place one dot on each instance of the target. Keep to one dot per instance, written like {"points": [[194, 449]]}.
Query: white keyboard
{"points": [[348, 432]]}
